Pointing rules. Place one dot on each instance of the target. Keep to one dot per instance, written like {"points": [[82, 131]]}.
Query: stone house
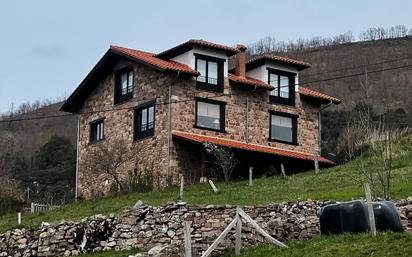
{"points": [[169, 104]]}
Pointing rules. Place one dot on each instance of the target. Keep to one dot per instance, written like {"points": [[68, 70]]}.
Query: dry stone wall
{"points": [[146, 227]]}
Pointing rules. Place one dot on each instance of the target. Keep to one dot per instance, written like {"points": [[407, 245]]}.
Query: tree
{"points": [[224, 158], [53, 175], [111, 159]]}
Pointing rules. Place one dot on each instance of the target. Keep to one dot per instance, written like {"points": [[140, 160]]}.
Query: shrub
{"points": [[10, 198]]}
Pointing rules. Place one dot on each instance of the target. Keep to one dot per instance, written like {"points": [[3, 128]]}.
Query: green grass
{"points": [[385, 244], [112, 253], [335, 183]]}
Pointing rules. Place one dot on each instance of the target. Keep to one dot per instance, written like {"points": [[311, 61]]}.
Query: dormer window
{"points": [[211, 73], [284, 87], [123, 85]]}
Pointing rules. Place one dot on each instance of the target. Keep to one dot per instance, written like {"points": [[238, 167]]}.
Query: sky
{"points": [[48, 46]]}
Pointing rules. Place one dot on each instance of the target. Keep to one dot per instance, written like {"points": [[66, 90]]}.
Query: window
{"points": [[144, 120], [124, 85], [210, 115], [97, 131], [284, 87], [283, 127], [211, 73]]}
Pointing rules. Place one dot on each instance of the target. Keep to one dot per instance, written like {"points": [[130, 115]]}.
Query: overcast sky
{"points": [[48, 47]]}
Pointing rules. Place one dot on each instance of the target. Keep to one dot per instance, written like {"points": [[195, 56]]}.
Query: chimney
{"points": [[240, 61]]}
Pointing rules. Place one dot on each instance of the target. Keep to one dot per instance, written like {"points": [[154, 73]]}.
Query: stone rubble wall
{"points": [[146, 227]]}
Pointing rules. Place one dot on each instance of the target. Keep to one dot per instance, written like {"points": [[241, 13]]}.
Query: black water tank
{"points": [[352, 217]]}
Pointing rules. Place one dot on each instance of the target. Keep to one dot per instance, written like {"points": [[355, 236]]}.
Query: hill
{"points": [[390, 87]]}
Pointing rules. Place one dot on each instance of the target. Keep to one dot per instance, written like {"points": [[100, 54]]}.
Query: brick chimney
{"points": [[240, 61]]}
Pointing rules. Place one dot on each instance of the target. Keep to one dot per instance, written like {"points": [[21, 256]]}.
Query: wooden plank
{"points": [[238, 242], [282, 170], [220, 238], [260, 230], [188, 239], [372, 224], [213, 186]]}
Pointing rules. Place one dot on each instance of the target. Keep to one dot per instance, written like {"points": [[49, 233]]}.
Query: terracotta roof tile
{"points": [[244, 146], [275, 58], [174, 51], [315, 94], [249, 81], [150, 59]]}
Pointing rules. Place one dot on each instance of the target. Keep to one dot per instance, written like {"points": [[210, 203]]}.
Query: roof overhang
{"points": [[189, 45], [200, 139]]}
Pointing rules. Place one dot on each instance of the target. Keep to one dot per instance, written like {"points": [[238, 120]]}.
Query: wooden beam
{"points": [[371, 215], [220, 238], [238, 242], [188, 239], [260, 230]]}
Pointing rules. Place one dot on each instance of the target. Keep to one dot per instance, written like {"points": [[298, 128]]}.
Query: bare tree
{"points": [[111, 159], [225, 159]]}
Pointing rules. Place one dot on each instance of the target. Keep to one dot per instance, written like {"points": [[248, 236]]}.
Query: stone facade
{"points": [[145, 227], [153, 153]]}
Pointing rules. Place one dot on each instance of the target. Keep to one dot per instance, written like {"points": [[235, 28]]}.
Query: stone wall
{"points": [[145, 227]]}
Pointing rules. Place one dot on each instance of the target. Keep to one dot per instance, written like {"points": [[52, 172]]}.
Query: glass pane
{"points": [[208, 115], [123, 83], [212, 73], [130, 82], [151, 117], [97, 136], [284, 86], [101, 131], [281, 128], [201, 67], [274, 80], [143, 120]]}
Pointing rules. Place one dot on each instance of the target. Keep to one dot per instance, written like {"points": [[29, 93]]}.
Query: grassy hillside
{"points": [[335, 183], [385, 244]]}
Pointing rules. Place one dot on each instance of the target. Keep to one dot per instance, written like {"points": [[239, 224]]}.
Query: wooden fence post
{"points": [[316, 160], [282, 170], [19, 218], [213, 186], [188, 239], [182, 182], [238, 235], [250, 176], [372, 224]]}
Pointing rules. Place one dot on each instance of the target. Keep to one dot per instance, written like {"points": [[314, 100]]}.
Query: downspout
{"points": [[169, 140], [76, 193], [320, 126]]}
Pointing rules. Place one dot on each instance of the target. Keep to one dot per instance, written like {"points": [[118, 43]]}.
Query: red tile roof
{"points": [[188, 45], [249, 81], [244, 146], [149, 58], [256, 61], [315, 94]]}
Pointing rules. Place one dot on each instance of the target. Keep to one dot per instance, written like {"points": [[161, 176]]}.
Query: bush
{"points": [[10, 198]]}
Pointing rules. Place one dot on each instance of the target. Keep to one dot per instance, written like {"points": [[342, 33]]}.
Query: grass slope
{"points": [[385, 244], [335, 183]]}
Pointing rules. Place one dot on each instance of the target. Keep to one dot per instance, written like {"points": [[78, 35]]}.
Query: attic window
{"points": [[211, 73], [284, 86], [124, 85]]}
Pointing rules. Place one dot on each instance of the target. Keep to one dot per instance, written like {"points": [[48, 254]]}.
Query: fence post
{"points": [[282, 170], [32, 208], [250, 176], [213, 186], [19, 218], [316, 160], [182, 182], [188, 239], [372, 224], [238, 242]]}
